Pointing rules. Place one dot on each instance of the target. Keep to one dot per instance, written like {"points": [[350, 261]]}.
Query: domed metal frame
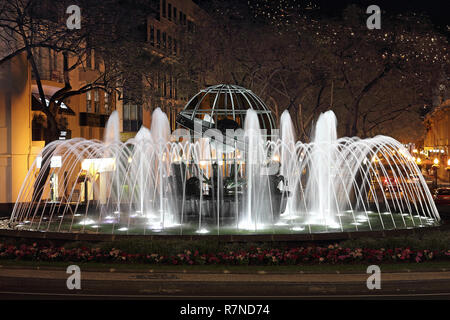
{"points": [[224, 102]]}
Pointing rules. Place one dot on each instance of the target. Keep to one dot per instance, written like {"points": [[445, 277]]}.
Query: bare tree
{"points": [[375, 80], [107, 31]]}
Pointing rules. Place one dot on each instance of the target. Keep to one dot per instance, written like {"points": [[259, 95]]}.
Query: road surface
{"points": [[51, 284]]}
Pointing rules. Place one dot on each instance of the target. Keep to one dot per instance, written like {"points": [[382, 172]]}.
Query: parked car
{"points": [[442, 196]]}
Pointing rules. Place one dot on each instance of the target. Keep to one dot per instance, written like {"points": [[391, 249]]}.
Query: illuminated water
{"points": [[151, 184]]}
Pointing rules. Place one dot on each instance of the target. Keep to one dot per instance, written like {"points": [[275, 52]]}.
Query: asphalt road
{"points": [[50, 284]]}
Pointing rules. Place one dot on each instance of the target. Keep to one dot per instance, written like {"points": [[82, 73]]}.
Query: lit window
{"points": [[96, 101], [106, 103], [88, 101]]}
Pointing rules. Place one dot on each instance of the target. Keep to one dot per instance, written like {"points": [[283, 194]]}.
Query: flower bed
{"points": [[332, 254]]}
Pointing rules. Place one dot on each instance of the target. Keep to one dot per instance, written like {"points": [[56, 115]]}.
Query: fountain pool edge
{"points": [[335, 236]]}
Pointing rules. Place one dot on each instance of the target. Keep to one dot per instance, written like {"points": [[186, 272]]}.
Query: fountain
{"points": [[251, 182]]}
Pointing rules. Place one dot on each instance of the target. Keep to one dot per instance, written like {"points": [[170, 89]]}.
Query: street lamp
{"points": [[435, 167]]}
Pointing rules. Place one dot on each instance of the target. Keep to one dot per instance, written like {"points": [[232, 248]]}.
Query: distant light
{"points": [[298, 229], [202, 231], [122, 229], [436, 161]]}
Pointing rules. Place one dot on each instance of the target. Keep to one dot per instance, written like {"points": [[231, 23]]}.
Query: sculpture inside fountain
{"points": [[154, 183]]}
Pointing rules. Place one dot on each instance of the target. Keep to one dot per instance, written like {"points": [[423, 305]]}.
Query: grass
{"points": [[429, 266]]}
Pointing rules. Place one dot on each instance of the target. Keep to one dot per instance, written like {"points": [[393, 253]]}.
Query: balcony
{"points": [[50, 75]]}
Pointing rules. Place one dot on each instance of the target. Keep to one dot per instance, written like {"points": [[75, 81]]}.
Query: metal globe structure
{"points": [[222, 107]]}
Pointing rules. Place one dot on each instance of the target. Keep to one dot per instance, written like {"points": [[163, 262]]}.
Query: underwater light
{"points": [[87, 222]]}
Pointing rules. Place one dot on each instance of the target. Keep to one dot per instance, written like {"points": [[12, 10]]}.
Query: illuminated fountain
{"points": [[222, 175]]}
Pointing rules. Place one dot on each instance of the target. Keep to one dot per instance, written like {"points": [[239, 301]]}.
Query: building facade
{"points": [[437, 141], [22, 125], [166, 39]]}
